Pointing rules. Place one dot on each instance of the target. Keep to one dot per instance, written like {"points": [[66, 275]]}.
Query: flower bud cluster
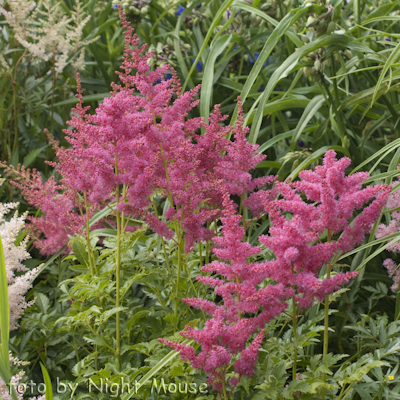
{"points": [[134, 9]]}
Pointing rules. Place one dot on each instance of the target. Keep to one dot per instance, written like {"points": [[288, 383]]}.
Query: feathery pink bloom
{"points": [[331, 200], [141, 138], [225, 335]]}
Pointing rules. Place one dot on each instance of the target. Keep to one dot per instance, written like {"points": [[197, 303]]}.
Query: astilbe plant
{"points": [[224, 337], [138, 147], [322, 203], [139, 144]]}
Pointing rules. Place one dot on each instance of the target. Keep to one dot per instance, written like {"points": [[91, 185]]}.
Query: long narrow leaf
{"points": [[213, 25], [286, 22], [206, 93], [161, 364], [285, 69], [314, 105], [4, 311], [47, 382]]}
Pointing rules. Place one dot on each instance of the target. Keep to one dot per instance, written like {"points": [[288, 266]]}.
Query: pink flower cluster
{"points": [[321, 203], [226, 334], [138, 143], [59, 218]]}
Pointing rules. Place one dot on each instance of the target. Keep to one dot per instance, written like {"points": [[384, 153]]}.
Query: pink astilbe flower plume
{"points": [[138, 144], [331, 200], [224, 337], [58, 207], [323, 201]]}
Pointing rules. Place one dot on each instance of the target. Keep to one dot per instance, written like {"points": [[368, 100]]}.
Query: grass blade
{"points": [[206, 93], [47, 382], [285, 69], [213, 25], [393, 58], [270, 44], [161, 364], [4, 314], [314, 105]]}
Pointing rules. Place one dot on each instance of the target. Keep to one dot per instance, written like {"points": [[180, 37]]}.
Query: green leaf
{"points": [[31, 156], [251, 9], [80, 252], [87, 98], [4, 315], [211, 28], [393, 58], [107, 314], [42, 302], [99, 215], [313, 106], [275, 139], [370, 244], [375, 253], [384, 151], [217, 47], [5, 371], [103, 232], [286, 67], [287, 21], [47, 382], [161, 364], [279, 105]]}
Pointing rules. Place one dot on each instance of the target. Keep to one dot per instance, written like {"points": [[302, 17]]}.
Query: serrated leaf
{"points": [[80, 252]]}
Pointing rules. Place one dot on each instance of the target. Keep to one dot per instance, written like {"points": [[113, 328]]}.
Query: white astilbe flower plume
{"points": [[47, 33], [14, 254], [19, 284]]}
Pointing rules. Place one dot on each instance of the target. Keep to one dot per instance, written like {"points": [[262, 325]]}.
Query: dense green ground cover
{"points": [[312, 76]]}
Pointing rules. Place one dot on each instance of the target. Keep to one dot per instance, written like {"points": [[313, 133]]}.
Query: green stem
{"points": [[294, 372], [162, 239], [15, 117], [224, 387], [118, 271], [89, 246], [117, 281], [179, 237], [326, 320], [397, 309], [200, 254], [53, 91], [243, 209], [14, 85]]}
